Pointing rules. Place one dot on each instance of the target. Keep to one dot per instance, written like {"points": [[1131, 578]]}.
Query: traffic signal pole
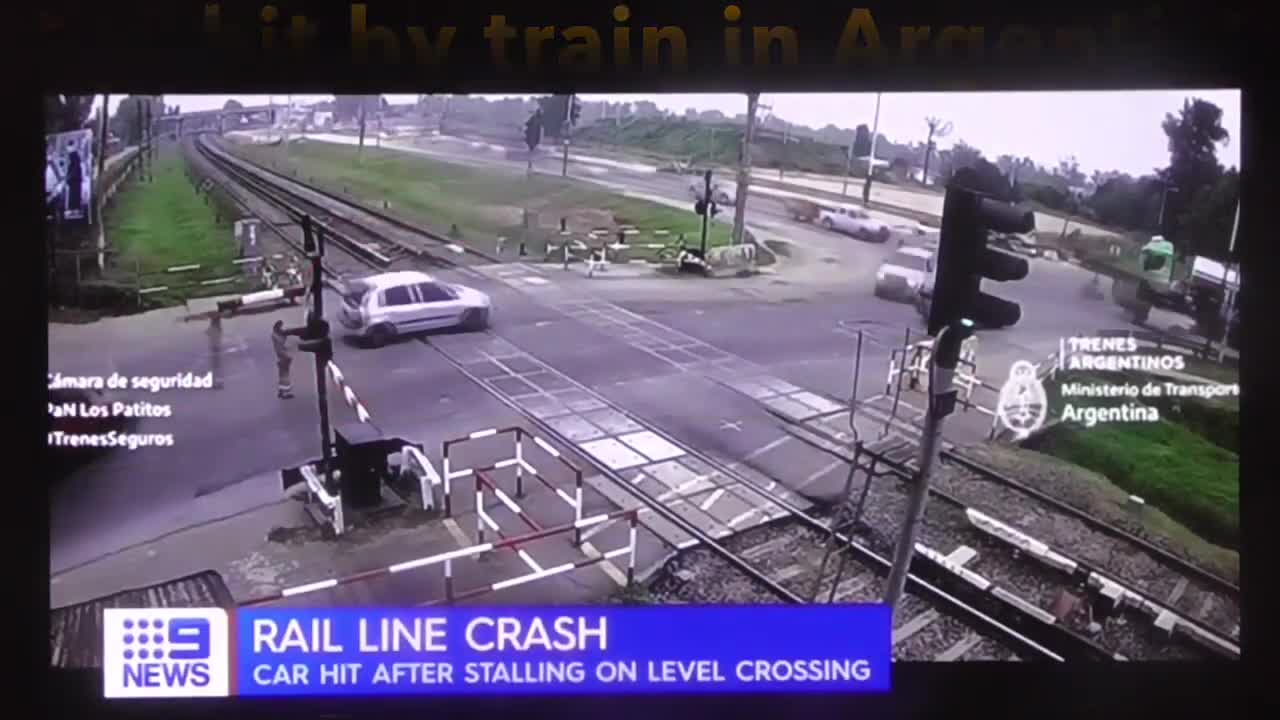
{"points": [[315, 339], [957, 306], [942, 401], [706, 212]]}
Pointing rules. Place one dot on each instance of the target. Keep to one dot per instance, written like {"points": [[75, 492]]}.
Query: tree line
{"points": [[1191, 202]]}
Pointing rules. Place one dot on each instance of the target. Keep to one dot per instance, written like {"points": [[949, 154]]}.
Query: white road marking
{"points": [[819, 473], [711, 499], [458, 536], [609, 569]]}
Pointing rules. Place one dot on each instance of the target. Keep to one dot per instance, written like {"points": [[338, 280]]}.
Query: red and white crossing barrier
{"points": [[447, 558], [349, 396], [331, 505], [521, 465]]}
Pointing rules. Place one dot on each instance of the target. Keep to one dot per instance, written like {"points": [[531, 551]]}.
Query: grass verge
{"points": [[1185, 463], [482, 203], [1097, 495], [167, 223]]}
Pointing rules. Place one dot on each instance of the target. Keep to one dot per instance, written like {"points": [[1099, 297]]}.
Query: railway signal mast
{"points": [[314, 338], [958, 306]]}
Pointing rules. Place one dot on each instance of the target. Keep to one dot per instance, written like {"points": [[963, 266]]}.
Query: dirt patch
{"points": [[501, 215], [577, 220], [364, 531]]}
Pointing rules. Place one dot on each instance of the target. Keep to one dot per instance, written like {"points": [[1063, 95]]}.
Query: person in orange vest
{"points": [[284, 361]]}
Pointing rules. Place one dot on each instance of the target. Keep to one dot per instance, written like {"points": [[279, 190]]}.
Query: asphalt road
{"points": [[231, 443]]}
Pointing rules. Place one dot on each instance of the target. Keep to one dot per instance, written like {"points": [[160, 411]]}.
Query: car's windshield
{"points": [[910, 262]]}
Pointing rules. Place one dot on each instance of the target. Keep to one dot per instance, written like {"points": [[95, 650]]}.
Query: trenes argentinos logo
{"points": [[170, 652]]}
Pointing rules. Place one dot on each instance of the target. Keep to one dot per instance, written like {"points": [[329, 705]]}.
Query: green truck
{"points": [[1196, 287]]}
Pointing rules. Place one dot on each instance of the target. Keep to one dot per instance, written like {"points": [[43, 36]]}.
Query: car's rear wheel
{"points": [[827, 224], [883, 237], [380, 335]]}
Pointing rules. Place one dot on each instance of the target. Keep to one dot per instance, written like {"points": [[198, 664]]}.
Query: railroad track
{"points": [[949, 605], [766, 572], [381, 240], [358, 252], [1100, 588], [206, 168], [1108, 585]]}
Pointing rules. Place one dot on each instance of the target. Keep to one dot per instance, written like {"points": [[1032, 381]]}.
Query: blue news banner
{"points": [[477, 651]]}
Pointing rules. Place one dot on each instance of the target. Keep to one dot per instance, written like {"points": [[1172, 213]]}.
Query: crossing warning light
{"points": [[964, 258]]}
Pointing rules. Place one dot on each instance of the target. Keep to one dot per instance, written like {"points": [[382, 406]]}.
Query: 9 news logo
{"points": [[169, 652]]}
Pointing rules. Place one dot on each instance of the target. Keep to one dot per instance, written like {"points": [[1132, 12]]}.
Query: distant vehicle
{"points": [[1021, 243], [718, 195], [856, 222], [381, 307], [903, 275]]}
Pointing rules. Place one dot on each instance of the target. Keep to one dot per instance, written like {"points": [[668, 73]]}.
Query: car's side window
{"points": [[397, 296], [431, 292]]}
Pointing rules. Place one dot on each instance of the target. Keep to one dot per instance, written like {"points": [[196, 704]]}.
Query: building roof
{"points": [[75, 631]]}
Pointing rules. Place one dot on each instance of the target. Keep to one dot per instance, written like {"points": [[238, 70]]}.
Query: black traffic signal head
{"points": [[315, 338], [700, 207], [575, 110], [715, 209], [533, 130], [964, 259]]}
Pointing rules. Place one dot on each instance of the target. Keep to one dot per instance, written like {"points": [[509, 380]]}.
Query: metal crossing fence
{"points": [[520, 439], [446, 559]]}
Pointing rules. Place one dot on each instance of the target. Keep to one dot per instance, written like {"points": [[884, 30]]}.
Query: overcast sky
{"points": [[1112, 130]]}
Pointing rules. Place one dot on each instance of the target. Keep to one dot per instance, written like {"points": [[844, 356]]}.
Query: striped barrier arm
{"points": [[348, 395], [332, 504], [447, 558], [261, 297], [1118, 595]]}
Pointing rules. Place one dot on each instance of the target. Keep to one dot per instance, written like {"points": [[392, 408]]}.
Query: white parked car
{"points": [[903, 275], [856, 222], [381, 307]]}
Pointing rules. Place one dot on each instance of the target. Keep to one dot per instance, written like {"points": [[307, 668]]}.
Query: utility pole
{"points": [[871, 159], [1229, 298], [568, 125], [786, 138], [706, 212], [848, 168], [360, 149], [102, 139], [744, 170]]}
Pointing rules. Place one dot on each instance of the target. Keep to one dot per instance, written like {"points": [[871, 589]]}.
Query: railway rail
{"points": [[949, 605], [379, 239], [1112, 595]]}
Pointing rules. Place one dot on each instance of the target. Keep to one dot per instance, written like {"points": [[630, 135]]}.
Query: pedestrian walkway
{"points": [[618, 442]]}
